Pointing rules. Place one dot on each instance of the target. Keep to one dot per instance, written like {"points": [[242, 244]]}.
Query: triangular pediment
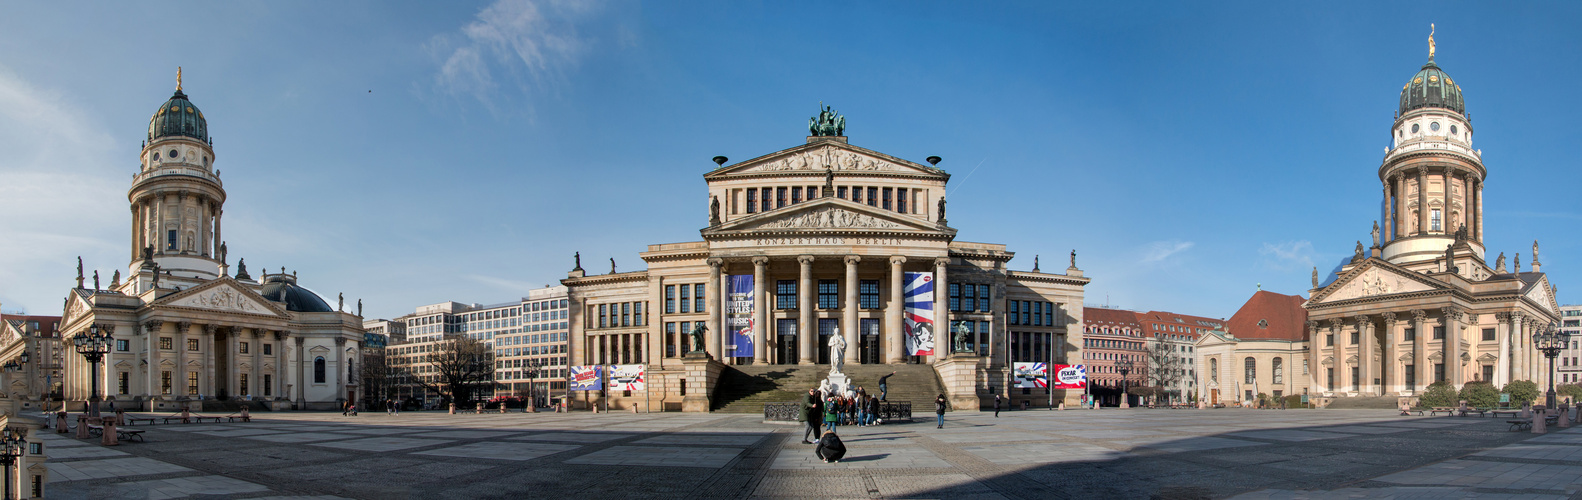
{"points": [[1373, 278], [829, 215], [223, 294], [1540, 294], [815, 157]]}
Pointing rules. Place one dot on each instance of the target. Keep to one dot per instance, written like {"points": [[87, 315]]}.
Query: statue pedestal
{"points": [[959, 372], [836, 383], [701, 375]]}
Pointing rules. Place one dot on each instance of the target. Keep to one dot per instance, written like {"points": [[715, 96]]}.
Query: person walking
{"points": [[389, 407], [812, 414], [884, 386], [939, 409], [996, 406]]}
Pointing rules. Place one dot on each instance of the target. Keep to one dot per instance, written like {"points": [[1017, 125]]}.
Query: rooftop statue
{"points": [[828, 123]]}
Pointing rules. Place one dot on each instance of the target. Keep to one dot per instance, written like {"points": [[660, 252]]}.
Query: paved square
{"points": [[1135, 453]]}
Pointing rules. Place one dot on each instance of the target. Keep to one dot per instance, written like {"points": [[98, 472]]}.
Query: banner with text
{"points": [[587, 378], [1032, 375], [1070, 377], [919, 311], [739, 316], [628, 378]]}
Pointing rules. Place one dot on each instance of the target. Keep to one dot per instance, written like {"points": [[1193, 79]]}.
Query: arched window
{"points": [[318, 370], [1213, 369], [1279, 371], [1252, 370]]}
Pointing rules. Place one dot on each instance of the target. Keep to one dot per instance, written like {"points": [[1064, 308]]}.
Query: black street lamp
{"points": [[1551, 340], [1124, 367], [93, 344], [12, 446]]}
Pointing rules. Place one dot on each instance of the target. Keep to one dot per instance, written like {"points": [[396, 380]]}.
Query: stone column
{"points": [[1389, 213], [714, 342], [1424, 370], [280, 365], [894, 346], [134, 232], [761, 327], [1338, 355], [151, 333], [1422, 200], [178, 382], [1315, 363], [217, 239], [807, 330], [1478, 205], [340, 368], [943, 338], [1502, 364], [206, 343], [233, 369], [255, 377], [848, 316], [302, 374], [1390, 382], [181, 226], [1365, 367], [1452, 346]]}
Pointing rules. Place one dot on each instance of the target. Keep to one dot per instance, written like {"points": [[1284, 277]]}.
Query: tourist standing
{"points": [[939, 409], [862, 409], [812, 414], [832, 412], [996, 406], [873, 410], [884, 386]]}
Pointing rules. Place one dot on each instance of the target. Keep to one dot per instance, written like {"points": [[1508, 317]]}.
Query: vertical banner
{"points": [[918, 321], [587, 378], [628, 378], [1070, 377], [739, 315], [1030, 375]]}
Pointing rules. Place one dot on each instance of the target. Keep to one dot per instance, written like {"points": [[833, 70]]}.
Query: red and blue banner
{"points": [[628, 378], [1070, 377], [1029, 375], [587, 378], [739, 305], [918, 322]]}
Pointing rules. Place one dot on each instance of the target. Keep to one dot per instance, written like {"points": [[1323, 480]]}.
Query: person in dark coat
{"points": [[873, 411], [812, 413], [939, 409], [996, 406], [830, 448], [884, 386]]}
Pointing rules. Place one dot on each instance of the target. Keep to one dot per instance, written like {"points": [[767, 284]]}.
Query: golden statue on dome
{"points": [[178, 78], [1430, 40]]}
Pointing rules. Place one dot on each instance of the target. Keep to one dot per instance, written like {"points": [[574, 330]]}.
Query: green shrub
{"points": [[1294, 401], [1480, 395], [1439, 394], [1572, 390], [1522, 392]]}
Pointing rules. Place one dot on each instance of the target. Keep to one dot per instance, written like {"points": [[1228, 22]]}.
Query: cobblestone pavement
{"points": [[1135, 453]]}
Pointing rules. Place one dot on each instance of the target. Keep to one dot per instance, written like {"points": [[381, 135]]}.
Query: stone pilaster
{"points": [[1365, 367], [807, 329], [1390, 382], [894, 346], [848, 316], [761, 307], [1425, 371], [714, 342]]}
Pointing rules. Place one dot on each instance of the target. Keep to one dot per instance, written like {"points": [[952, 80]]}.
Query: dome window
{"points": [[174, 154], [1434, 126], [1414, 128], [156, 156], [205, 161], [1452, 130]]}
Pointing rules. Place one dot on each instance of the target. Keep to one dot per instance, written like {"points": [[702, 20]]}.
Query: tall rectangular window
{"points": [[165, 343], [840, 192], [1049, 313], [1488, 334], [1435, 222], [868, 294], [170, 239], [900, 200], [1027, 309], [1038, 314], [123, 345], [125, 383], [752, 201], [164, 382], [780, 197], [873, 197], [1411, 334], [686, 298], [626, 314], [192, 345], [268, 387], [887, 195], [983, 298], [192, 383], [796, 195], [602, 317], [637, 314], [1329, 339], [856, 194], [955, 296], [1410, 377], [785, 294], [1356, 338], [1439, 333], [1330, 380], [243, 381], [1356, 378], [670, 340], [670, 299], [828, 294], [243, 347], [969, 297], [269, 349], [1014, 312], [1439, 372], [697, 297]]}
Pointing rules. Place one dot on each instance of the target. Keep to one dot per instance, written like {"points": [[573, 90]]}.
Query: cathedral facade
{"points": [[825, 250], [1423, 303], [186, 330]]}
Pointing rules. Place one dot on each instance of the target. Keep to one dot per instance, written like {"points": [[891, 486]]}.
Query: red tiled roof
{"points": [[1192, 323], [1284, 317], [1098, 316]]}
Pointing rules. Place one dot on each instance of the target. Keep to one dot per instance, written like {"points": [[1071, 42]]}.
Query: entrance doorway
{"points": [[786, 344], [868, 350]]}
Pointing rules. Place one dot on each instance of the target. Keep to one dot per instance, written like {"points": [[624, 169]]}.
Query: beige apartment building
{"points": [[825, 239]]}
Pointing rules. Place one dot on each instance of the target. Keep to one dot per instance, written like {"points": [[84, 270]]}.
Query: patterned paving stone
{"points": [[501, 450], [383, 443], [659, 456]]}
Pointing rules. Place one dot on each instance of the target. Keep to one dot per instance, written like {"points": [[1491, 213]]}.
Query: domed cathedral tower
{"points": [[1433, 178], [176, 197]]}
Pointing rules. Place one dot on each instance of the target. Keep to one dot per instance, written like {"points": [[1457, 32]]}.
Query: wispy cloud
{"points": [[58, 195], [1288, 254], [528, 43], [503, 284], [1160, 250]]}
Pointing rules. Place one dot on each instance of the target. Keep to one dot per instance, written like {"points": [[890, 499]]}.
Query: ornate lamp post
{"points": [[1124, 367], [1551, 340], [93, 344], [12, 446]]}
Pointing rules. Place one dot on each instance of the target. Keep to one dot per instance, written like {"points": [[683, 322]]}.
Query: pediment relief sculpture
{"points": [[829, 218], [221, 298], [824, 157], [1373, 282]]}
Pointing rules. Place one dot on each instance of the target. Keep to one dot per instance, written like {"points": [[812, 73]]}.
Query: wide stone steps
{"points": [[1373, 402], [745, 389]]}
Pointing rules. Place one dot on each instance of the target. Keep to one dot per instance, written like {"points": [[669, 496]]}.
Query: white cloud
{"points": [[1160, 250], [58, 196], [528, 42], [504, 284], [1289, 254]]}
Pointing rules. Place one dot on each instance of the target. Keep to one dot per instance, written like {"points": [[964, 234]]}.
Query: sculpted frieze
{"points": [[821, 158], [829, 217], [1374, 282], [222, 299]]}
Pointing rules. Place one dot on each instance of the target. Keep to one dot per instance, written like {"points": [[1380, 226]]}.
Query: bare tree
{"points": [[457, 369], [1165, 366], [377, 375]]}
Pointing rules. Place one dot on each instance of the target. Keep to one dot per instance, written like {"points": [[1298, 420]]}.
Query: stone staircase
{"points": [[1365, 402], [745, 389]]}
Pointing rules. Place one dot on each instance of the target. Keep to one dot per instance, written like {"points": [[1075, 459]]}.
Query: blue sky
{"points": [[410, 153]]}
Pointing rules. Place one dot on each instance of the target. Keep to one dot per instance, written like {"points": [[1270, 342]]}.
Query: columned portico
{"points": [[807, 331], [895, 352], [761, 327], [848, 323]]}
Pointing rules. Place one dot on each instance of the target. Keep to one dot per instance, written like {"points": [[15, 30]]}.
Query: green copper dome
{"points": [[178, 118], [1431, 88]]}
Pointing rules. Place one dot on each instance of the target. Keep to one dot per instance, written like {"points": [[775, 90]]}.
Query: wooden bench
{"points": [[134, 420], [1407, 412], [1449, 412], [95, 430], [234, 416], [1497, 413], [1474, 410], [128, 435], [175, 417], [1521, 424]]}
